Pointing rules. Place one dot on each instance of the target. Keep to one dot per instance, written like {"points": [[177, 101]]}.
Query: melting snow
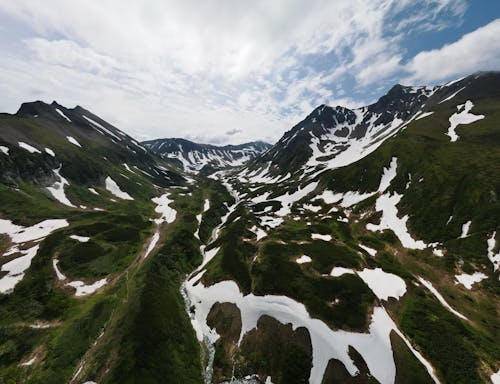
{"points": [[93, 191], [371, 251], [20, 234], [339, 271], [469, 280], [452, 95], [163, 207], [312, 208], [81, 239], [425, 114], [28, 147], [303, 259], [374, 346], [72, 140], [495, 259], [465, 229], [57, 189], [59, 274], [96, 124], [259, 232], [383, 284], [463, 117], [4, 150], [441, 299], [288, 199], [152, 244], [321, 237], [390, 220], [50, 152], [15, 269], [388, 175], [29, 362], [495, 378], [83, 289], [63, 115], [112, 187]]}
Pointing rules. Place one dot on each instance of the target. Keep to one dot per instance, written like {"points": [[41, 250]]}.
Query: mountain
{"points": [[332, 137], [363, 247], [194, 157]]}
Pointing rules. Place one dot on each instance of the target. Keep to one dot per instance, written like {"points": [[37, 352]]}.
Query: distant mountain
{"points": [[194, 157]]}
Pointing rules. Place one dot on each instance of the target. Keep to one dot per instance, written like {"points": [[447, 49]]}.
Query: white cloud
{"points": [[203, 69], [477, 50]]}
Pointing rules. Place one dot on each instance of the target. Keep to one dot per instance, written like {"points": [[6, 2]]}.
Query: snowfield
{"points": [[374, 346]]}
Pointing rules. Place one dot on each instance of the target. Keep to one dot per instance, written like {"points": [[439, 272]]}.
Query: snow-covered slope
{"points": [[195, 156]]}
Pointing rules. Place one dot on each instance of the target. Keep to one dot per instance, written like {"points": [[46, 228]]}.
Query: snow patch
{"points": [[386, 203], [28, 147], [423, 115], [441, 299], [465, 229], [81, 239], [339, 271], [57, 189], [63, 115], [372, 252], [495, 259], [152, 244], [83, 289], [463, 117], [303, 259], [50, 152], [167, 214], [319, 236], [4, 150], [112, 187], [383, 284], [469, 280], [73, 141], [19, 234], [15, 269]]}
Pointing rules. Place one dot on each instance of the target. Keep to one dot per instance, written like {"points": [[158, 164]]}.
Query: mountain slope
{"points": [[362, 248], [394, 246], [194, 157]]}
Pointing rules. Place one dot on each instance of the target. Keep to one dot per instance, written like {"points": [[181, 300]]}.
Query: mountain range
{"points": [[205, 157], [362, 247]]}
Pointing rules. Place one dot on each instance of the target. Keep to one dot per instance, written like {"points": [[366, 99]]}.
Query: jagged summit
{"points": [[332, 137], [194, 157]]}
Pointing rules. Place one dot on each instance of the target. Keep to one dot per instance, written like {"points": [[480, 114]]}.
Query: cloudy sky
{"points": [[226, 71]]}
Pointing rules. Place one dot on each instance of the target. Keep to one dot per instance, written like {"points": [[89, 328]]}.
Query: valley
{"points": [[362, 247]]}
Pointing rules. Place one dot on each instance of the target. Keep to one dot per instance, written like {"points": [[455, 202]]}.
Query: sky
{"points": [[226, 71]]}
